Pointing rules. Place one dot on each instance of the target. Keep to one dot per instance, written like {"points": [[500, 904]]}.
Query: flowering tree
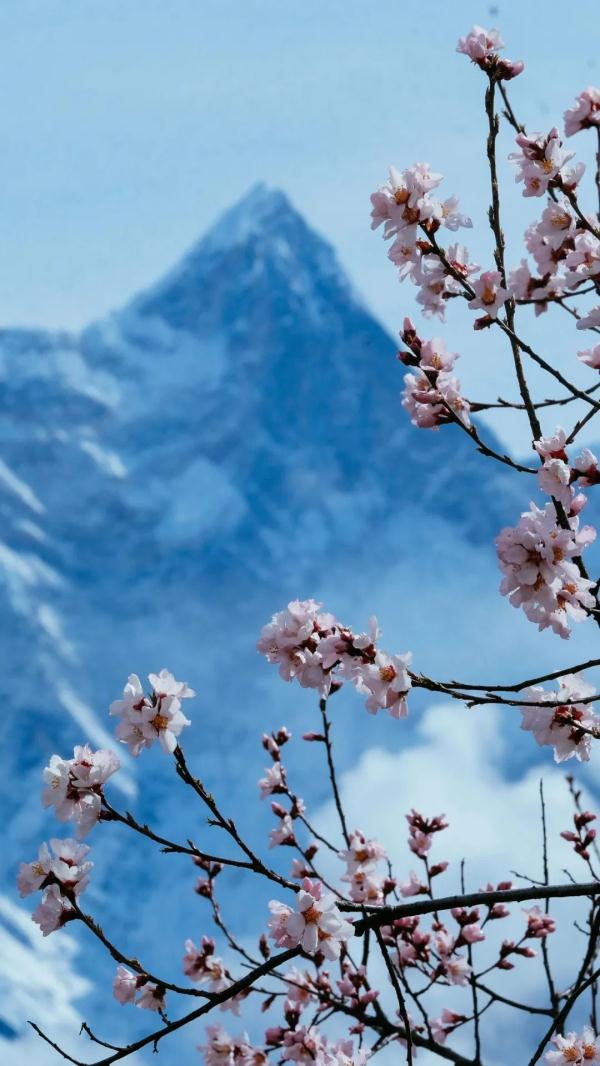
{"points": [[330, 942]]}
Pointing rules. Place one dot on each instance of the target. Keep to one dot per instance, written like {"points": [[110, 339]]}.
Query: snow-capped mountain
{"points": [[230, 439]]}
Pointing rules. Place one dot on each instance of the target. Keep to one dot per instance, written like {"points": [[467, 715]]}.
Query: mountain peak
{"points": [[258, 209], [263, 243]]}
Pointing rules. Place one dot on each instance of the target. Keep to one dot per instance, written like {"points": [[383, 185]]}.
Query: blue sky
{"points": [[128, 126]]}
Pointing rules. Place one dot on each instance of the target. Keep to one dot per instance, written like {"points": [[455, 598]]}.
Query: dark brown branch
{"points": [[399, 995], [331, 766]]}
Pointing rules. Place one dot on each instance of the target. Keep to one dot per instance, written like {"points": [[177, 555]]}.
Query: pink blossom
{"points": [[283, 833], [566, 727], [151, 997], [361, 853], [145, 719], [489, 293], [482, 47], [432, 405], [125, 985], [581, 1050], [554, 478], [435, 356], [591, 357], [74, 786], [552, 447], [62, 862], [305, 1046], [164, 684], [412, 887], [300, 992], [366, 886], [385, 683], [204, 967], [535, 558], [539, 925], [274, 780], [586, 112], [53, 911], [542, 163], [585, 467], [316, 925], [480, 44], [591, 320], [582, 262], [444, 1025], [224, 1050], [291, 640]]}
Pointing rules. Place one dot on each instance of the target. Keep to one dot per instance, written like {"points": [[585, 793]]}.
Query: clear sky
{"points": [[128, 125]]}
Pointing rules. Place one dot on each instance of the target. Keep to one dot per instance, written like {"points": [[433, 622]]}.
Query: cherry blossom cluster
{"points": [[578, 1050], [556, 477], [316, 650], [567, 258], [536, 558], [432, 395], [366, 883], [157, 716], [74, 787], [482, 47], [304, 1045], [542, 164], [570, 726], [411, 215], [61, 872]]}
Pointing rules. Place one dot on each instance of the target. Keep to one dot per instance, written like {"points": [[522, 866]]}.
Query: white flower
{"points": [[145, 719], [568, 727], [316, 925], [53, 911], [74, 786]]}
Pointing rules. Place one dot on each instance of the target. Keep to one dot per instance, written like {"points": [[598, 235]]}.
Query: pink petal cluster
{"points": [[539, 575], [158, 716], [224, 1050], [53, 911], [74, 786], [431, 396], [539, 924], [482, 47], [316, 925], [62, 863], [421, 831], [586, 112], [575, 1050], [591, 320], [566, 254], [490, 295], [315, 649], [455, 968], [569, 727], [135, 988], [367, 884], [447, 1022], [411, 215], [542, 163]]}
